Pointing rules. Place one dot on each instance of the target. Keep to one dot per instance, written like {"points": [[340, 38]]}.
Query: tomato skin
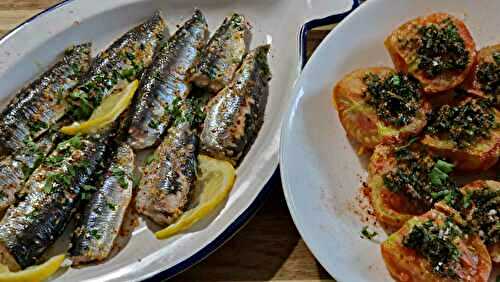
{"points": [[402, 58], [360, 120], [405, 264], [391, 209], [494, 249], [478, 157]]}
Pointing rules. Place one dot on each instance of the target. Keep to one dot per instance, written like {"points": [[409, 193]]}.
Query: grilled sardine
{"points": [[103, 215], [169, 177], [164, 81], [118, 65], [40, 105], [235, 114], [54, 190], [16, 168], [223, 54]]}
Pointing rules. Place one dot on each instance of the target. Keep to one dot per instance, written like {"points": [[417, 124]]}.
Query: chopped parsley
{"points": [[154, 124], [190, 110], [82, 107], [87, 191], [463, 124], [31, 148], [173, 109], [395, 98], [436, 244], [111, 206], [367, 234], [37, 126], [88, 96], [95, 233], [441, 49], [120, 176], [56, 180], [54, 160]]}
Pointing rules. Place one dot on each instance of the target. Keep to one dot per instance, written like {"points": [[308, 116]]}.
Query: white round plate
{"points": [[321, 172], [28, 49]]}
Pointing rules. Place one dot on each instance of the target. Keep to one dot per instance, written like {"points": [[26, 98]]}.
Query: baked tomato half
{"points": [[405, 180], [486, 77], [431, 247], [467, 133], [437, 49], [377, 103], [481, 211]]}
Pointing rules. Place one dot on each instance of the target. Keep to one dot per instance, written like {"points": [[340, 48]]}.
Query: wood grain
{"points": [[267, 248]]}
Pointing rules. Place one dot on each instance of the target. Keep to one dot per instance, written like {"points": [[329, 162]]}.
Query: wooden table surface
{"points": [[267, 248]]}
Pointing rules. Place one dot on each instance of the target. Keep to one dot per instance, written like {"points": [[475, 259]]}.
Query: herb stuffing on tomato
{"points": [[377, 103], [433, 247], [486, 80], [468, 134], [438, 50], [405, 180], [480, 208]]}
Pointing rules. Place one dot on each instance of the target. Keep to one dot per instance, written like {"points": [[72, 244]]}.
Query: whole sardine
{"points": [[40, 105], [120, 64], [103, 215], [169, 177], [235, 114], [223, 54], [16, 168], [164, 81], [53, 192]]}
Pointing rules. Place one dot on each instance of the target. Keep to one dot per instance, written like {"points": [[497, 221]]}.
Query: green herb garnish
{"points": [[367, 234], [37, 126], [441, 49], [120, 176], [111, 206], [436, 244], [395, 98], [463, 124]]}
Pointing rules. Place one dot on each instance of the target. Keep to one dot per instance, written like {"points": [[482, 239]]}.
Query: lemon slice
{"points": [[215, 181], [33, 273], [110, 109]]}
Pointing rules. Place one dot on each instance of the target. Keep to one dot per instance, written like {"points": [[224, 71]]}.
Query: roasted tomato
{"points": [[431, 247], [468, 134], [481, 211], [438, 50], [486, 77], [405, 180], [376, 103]]}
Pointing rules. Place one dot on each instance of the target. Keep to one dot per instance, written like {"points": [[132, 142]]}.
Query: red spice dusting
{"points": [[362, 206]]}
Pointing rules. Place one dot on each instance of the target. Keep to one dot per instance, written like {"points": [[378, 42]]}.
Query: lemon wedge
{"points": [[33, 273], [215, 181], [110, 109]]}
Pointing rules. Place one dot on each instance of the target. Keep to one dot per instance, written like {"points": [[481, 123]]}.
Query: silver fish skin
{"points": [[54, 190], [16, 168], [41, 104], [103, 216], [164, 81], [235, 114], [169, 178], [113, 68], [223, 54]]}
